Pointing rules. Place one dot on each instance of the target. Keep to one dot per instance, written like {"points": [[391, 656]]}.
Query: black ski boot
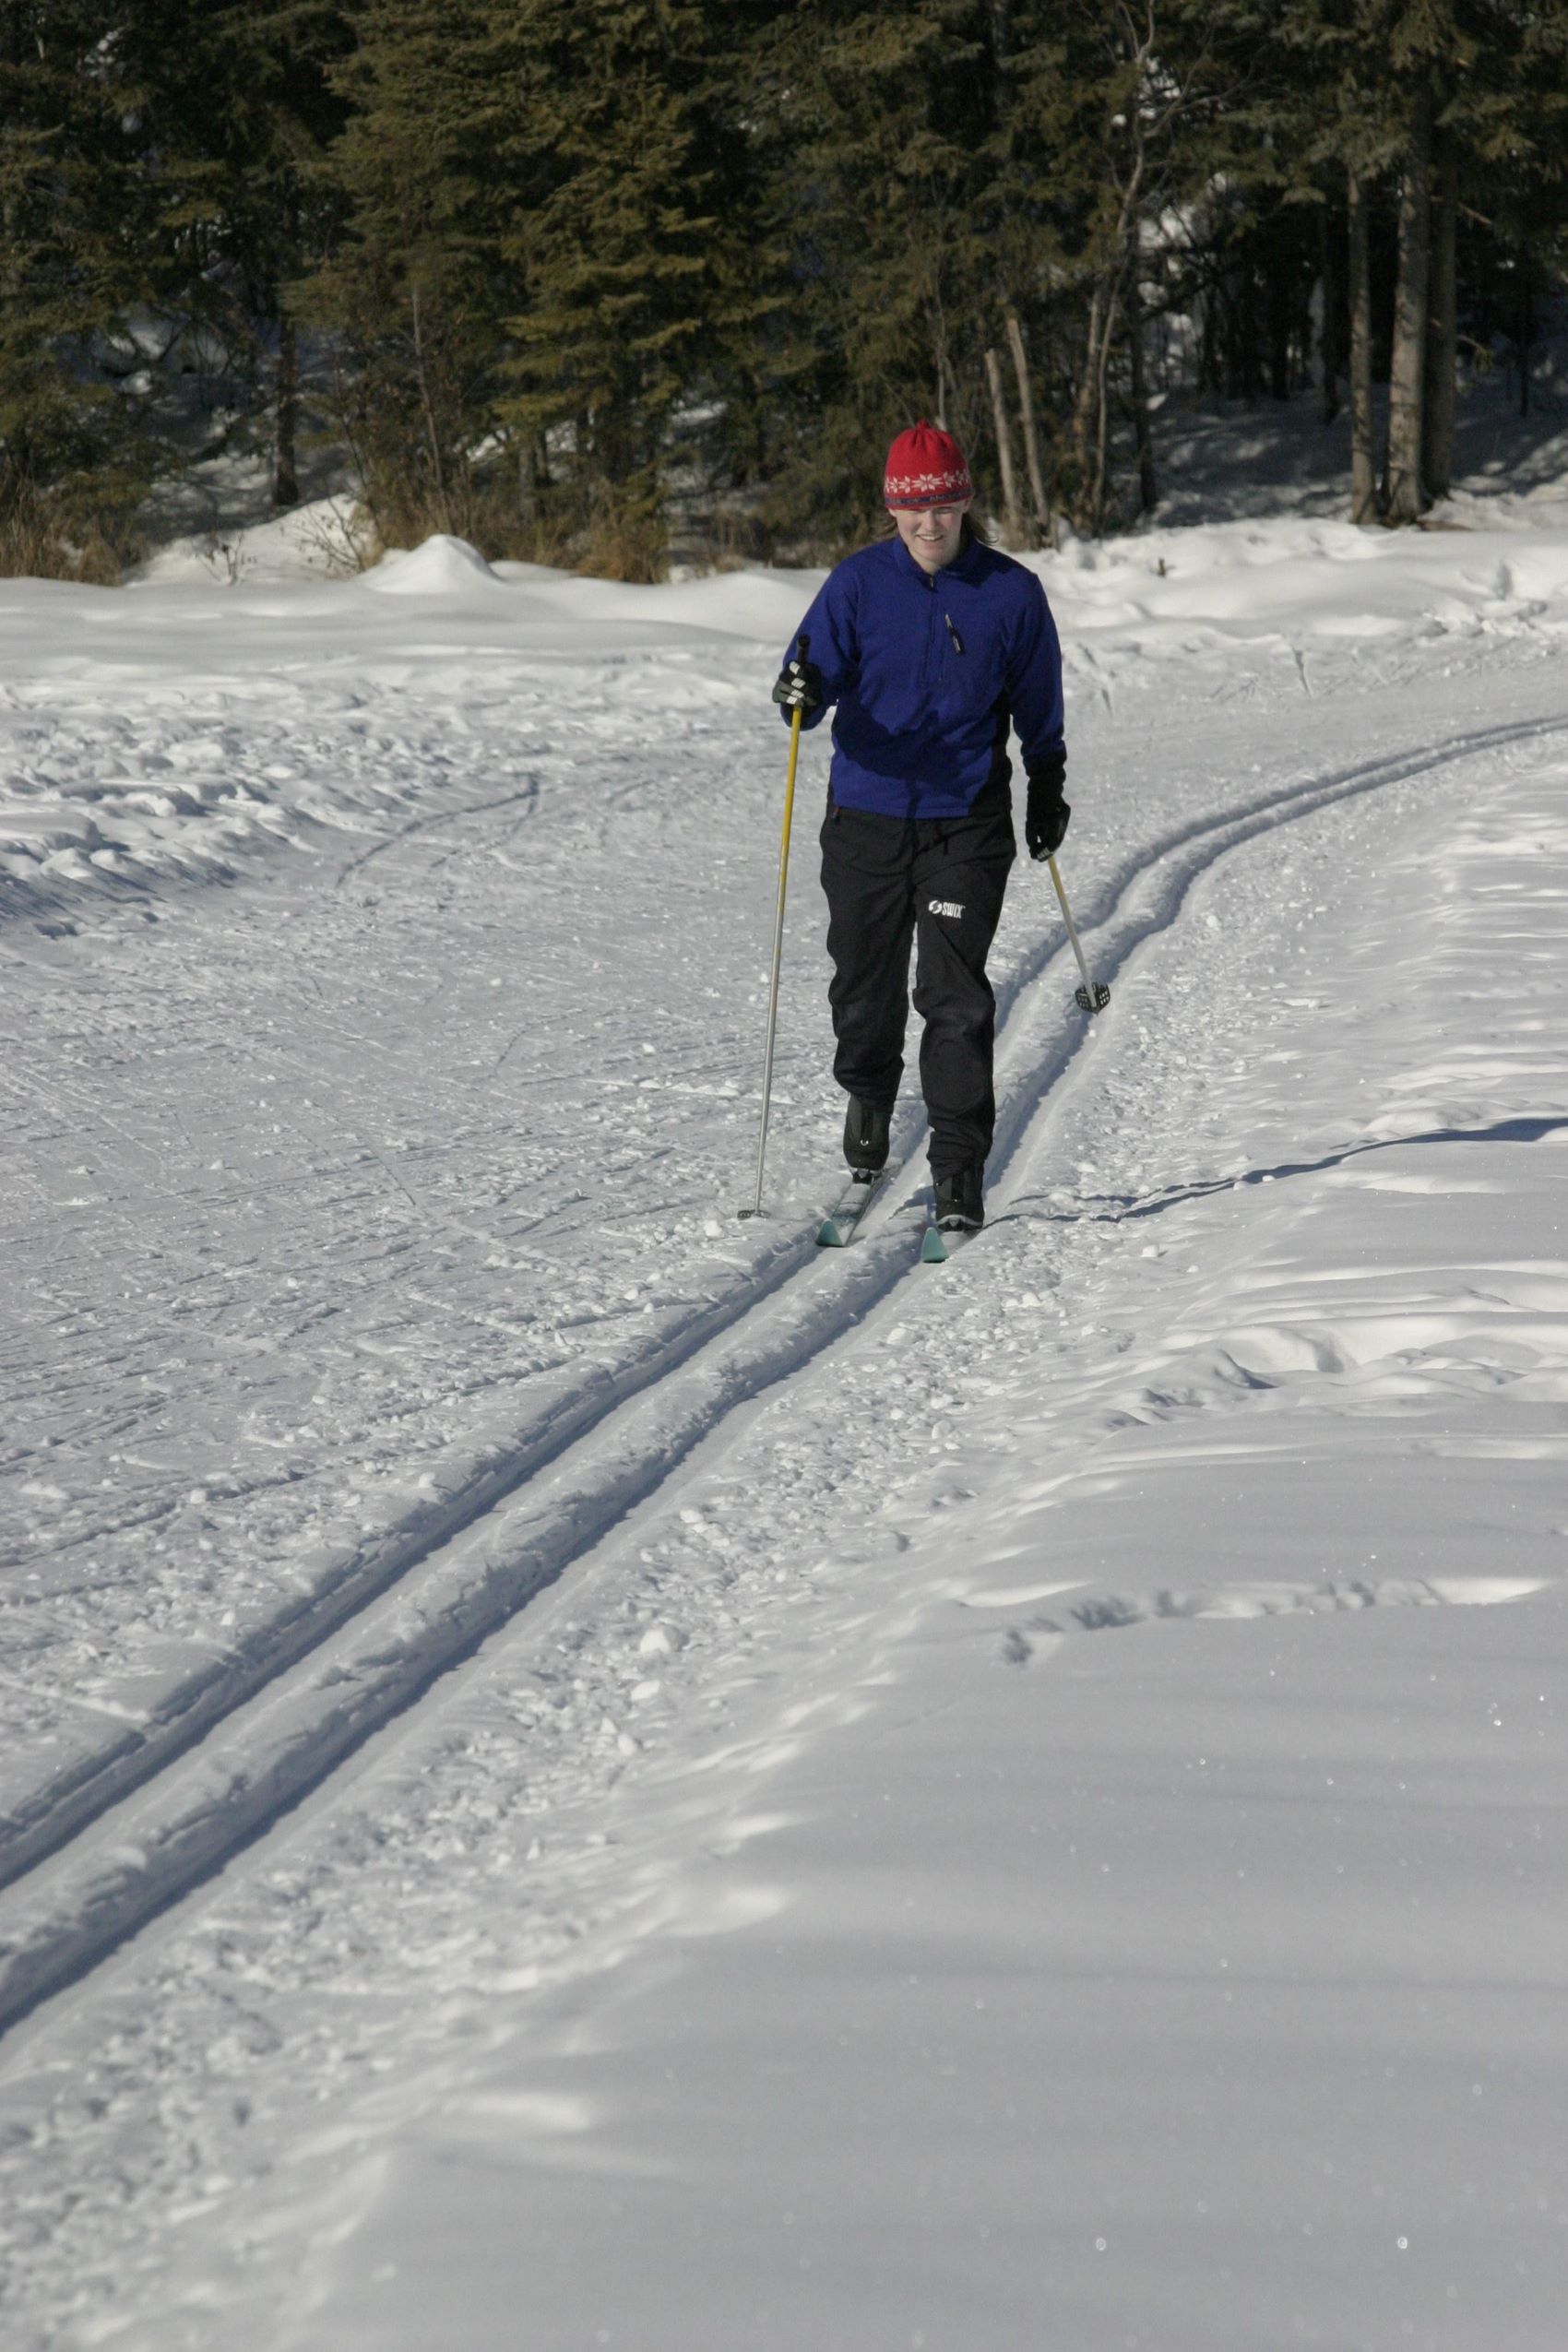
{"points": [[866, 1135], [960, 1201]]}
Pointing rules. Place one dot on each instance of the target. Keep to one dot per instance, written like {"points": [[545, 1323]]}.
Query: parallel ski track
{"points": [[155, 1822]]}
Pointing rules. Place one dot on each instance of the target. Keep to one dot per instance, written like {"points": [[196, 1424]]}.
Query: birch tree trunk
{"points": [[1149, 487], [1010, 516], [1091, 419], [1406, 381], [1099, 487], [1026, 419], [947, 408], [1443, 322], [1083, 408], [1364, 465]]}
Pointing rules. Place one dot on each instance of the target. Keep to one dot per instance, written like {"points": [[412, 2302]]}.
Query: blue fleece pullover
{"points": [[927, 670]]}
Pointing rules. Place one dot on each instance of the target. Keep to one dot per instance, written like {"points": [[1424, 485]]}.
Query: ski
{"points": [[939, 1241], [838, 1227]]}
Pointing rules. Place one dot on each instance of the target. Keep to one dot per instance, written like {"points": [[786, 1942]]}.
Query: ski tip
{"points": [[934, 1249], [828, 1237]]}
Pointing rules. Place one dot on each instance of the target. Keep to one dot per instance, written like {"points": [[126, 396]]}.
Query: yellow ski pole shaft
{"points": [[803, 648], [1094, 996]]}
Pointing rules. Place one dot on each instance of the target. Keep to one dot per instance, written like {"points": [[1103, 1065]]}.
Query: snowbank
{"points": [[443, 567], [185, 730]]}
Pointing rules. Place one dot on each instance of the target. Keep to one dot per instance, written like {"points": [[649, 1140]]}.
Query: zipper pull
{"points": [[957, 640]]}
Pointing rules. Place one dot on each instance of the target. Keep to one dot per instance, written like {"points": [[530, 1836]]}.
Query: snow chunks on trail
{"points": [[375, 1265]]}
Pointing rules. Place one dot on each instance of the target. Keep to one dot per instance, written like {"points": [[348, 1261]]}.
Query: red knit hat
{"points": [[925, 468]]}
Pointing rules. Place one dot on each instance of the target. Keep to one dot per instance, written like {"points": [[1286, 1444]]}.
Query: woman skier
{"points": [[931, 645]]}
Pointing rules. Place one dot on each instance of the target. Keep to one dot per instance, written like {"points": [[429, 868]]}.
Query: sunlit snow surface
{"points": [[967, 1807]]}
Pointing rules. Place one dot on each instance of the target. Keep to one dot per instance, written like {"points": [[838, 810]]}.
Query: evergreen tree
{"points": [[881, 129], [1440, 101], [638, 283], [75, 245], [414, 294], [546, 259], [241, 111], [579, 277], [1118, 130]]}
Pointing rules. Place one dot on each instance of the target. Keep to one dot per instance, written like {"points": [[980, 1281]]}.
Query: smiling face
{"points": [[932, 534]]}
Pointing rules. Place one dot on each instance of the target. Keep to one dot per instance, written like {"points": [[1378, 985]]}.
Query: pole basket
{"points": [[1095, 1001]]}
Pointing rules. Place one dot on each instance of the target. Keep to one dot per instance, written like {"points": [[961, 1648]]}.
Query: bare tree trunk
{"points": [[950, 398], [1091, 412], [1406, 381], [1013, 520], [1443, 322], [1097, 502], [1091, 408], [1248, 382], [286, 473], [1148, 487], [1026, 419], [1363, 455], [943, 411], [1083, 406], [1279, 322], [422, 377], [1208, 348], [1328, 330], [1141, 122]]}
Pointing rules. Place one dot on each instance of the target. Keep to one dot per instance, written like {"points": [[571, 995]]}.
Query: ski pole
{"points": [[1094, 996], [802, 649]]}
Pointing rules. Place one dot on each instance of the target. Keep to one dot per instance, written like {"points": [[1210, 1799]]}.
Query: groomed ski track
{"points": [[172, 1808]]}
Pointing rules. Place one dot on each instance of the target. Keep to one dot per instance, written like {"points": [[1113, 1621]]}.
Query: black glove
{"points": [[799, 687], [1046, 812]]}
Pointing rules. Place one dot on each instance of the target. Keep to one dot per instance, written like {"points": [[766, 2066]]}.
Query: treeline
{"points": [[571, 277]]}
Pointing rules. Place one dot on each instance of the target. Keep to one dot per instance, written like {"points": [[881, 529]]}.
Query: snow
{"points": [[157, 766], [443, 567], [562, 1780]]}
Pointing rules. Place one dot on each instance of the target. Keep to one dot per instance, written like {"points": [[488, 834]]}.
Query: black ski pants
{"points": [[935, 882]]}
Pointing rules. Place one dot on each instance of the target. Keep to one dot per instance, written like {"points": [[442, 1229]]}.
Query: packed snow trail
{"points": [[830, 1446], [454, 1577], [373, 1257], [1185, 1996], [794, 1668]]}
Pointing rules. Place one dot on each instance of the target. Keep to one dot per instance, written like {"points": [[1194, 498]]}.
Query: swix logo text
{"points": [[946, 906]]}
